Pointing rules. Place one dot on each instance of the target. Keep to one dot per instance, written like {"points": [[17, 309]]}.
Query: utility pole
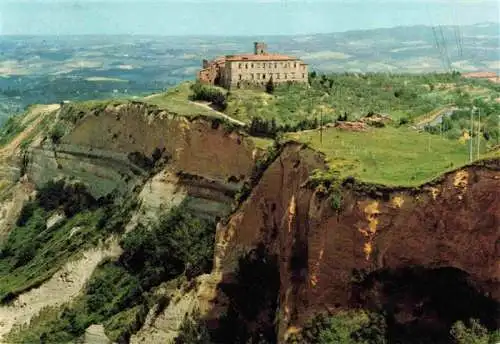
{"points": [[321, 126], [470, 136], [478, 133]]}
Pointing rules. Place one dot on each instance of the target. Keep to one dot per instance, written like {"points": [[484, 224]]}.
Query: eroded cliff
{"points": [[328, 254]]}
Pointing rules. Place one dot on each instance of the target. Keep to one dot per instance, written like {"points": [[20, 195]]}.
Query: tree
{"points": [[270, 86], [475, 333]]}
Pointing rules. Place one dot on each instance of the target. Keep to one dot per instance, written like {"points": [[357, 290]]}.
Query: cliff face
{"points": [[109, 149], [454, 223]]}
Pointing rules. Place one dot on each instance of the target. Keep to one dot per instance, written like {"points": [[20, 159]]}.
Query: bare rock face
{"points": [[452, 224], [95, 335]]}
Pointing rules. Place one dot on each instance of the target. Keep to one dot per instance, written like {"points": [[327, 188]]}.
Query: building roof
{"points": [[260, 57]]}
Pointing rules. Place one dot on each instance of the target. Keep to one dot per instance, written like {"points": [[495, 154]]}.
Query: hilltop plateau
{"points": [[358, 209]]}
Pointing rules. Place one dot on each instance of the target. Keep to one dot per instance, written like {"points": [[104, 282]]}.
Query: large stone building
{"points": [[253, 69]]}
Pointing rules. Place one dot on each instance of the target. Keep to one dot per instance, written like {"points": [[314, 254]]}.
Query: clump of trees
{"points": [[262, 127], [209, 94], [181, 243]]}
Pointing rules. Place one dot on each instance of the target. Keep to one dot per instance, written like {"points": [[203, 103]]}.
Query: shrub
{"points": [[475, 333], [57, 132], [73, 198], [404, 120], [336, 201], [270, 86]]}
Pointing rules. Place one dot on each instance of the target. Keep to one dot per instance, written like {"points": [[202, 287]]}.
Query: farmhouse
{"points": [[253, 69]]}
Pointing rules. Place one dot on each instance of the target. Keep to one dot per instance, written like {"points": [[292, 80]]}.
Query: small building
{"points": [[253, 69]]}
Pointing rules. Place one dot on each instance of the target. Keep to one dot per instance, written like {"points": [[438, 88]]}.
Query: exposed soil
{"points": [[452, 223]]}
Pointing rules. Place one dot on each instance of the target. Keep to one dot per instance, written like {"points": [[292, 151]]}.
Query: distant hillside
{"points": [[51, 69]]}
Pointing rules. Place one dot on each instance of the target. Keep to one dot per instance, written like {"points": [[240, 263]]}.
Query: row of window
{"points": [[268, 65], [275, 76]]}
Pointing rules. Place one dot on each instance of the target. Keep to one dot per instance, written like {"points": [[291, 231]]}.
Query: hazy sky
{"points": [[236, 17]]}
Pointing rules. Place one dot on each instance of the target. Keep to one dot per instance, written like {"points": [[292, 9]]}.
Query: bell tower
{"points": [[260, 48]]}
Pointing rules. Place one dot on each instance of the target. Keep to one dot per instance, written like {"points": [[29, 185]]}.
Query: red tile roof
{"points": [[260, 57]]}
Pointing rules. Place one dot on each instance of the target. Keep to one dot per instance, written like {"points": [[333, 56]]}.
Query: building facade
{"points": [[253, 69]]}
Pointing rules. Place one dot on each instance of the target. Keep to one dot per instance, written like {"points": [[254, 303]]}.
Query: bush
{"points": [[57, 132], [404, 120], [72, 198], [336, 201]]}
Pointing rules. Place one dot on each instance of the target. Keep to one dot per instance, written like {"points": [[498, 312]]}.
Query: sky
{"points": [[233, 17]]}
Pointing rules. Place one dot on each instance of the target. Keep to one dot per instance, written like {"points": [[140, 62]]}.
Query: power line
{"points": [[445, 48]]}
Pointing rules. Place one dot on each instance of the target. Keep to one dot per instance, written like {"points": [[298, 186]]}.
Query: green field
{"points": [[389, 156]]}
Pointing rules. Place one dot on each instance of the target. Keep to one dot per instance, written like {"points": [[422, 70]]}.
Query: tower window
{"points": [[239, 76], [275, 65], [239, 65], [263, 76], [251, 66]]}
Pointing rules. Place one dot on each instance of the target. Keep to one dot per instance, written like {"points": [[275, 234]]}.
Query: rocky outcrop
{"points": [[451, 223]]}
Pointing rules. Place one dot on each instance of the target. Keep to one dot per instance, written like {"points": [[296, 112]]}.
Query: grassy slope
{"points": [[177, 100], [390, 156]]}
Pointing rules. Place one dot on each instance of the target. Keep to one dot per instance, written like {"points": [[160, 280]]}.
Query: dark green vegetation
{"points": [[210, 94], [436, 299], [120, 293], [180, 244], [33, 251], [346, 327]]}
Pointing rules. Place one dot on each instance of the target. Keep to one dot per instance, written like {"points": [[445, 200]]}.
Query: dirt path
{"points": [[38, 112], [60, 289], [434, 116], [222, 114]]}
